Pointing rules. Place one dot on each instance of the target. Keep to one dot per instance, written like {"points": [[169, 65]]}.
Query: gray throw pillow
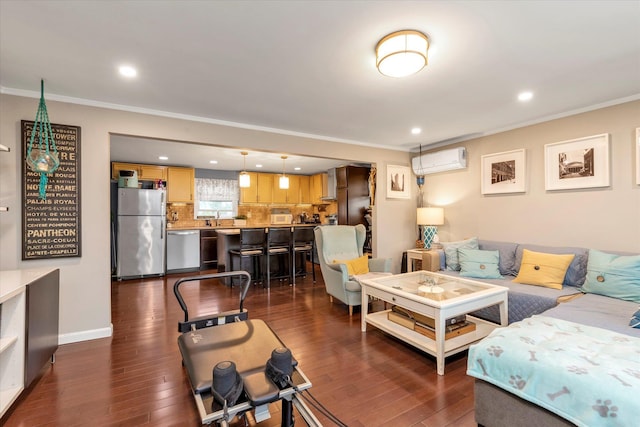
{"points": [[451, 251], [507, 251]]}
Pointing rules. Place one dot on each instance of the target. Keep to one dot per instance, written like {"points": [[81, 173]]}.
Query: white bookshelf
{"points": [[12, 344], [22, 350]]}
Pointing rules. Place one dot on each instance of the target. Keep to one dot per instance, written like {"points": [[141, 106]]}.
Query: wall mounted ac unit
{"points": [[440, 161]]}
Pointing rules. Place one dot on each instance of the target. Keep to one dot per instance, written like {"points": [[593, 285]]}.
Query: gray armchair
{"points": [[344, 242]]}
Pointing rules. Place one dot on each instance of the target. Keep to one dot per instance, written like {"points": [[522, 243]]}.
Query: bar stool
{"points": [[303, 242], [279, 247], [252, 241]]}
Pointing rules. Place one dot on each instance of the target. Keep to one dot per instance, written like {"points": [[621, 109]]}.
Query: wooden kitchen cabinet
{"points": [[290, 195], [180, 184], [353, 194], [250, 194], [261, 189], [265, 187], [319, 187], [152, 173], [305, 189], [208, 249], [145, 172]]}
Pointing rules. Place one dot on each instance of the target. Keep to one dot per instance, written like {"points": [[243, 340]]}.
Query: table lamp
{"points": [[429, 218]]}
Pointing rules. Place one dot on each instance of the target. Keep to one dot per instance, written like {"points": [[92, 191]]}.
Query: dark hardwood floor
{"points": [[136, 378]]}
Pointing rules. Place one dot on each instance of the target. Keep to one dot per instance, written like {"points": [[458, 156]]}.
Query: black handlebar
{"points": [[243, 294]]}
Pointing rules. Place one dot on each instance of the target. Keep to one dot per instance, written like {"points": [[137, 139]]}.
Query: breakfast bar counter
{"points": [[229, 238]]}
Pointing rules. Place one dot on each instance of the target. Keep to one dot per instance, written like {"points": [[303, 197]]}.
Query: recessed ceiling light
{"points": [[213, 162], [297, 168], [525, 96], [163, 158], [258, 165], [127, 71], [416, 131]]}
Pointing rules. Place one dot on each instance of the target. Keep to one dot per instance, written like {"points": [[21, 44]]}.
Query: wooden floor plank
{"points": [[136, 378]]}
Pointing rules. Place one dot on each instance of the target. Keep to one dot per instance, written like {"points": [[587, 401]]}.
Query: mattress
{"points": [[584, 374]]}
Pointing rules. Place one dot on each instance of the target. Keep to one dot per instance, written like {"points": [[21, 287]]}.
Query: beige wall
{"points": [[85, 281], [603, 218]]}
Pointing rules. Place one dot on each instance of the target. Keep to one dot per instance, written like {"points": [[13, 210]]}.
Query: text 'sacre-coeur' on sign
{"points": [[51, 227]]}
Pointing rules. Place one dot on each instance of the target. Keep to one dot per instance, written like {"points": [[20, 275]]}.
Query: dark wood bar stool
{"points": [[279, 247], [250, 253], [304, 242]]}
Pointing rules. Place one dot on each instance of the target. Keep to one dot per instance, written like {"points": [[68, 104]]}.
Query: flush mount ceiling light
{"points": [[402, 53], [284, 180], [244, 180]]}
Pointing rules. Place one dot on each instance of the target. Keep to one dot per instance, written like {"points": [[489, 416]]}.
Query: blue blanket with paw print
{"points": [[589, 376]]}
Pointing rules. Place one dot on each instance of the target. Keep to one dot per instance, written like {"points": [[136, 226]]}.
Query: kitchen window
{"points": [[216, 198]]}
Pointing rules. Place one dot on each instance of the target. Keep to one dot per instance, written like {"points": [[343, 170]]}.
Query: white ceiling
{"points": [[308, 67]]}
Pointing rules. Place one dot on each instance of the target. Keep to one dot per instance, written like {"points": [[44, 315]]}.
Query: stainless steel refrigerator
{"points": [[141, 236]]}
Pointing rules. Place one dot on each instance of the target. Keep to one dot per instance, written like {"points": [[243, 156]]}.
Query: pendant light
{"points": [[42, 158], [284, 180], [244, 180]]}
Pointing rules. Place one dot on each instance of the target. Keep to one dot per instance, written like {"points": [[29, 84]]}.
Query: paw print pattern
{"points": [[578, 370], [632, 372], [527, 340], [517, 382], [605, 409], [495, 350], [621, 339]]}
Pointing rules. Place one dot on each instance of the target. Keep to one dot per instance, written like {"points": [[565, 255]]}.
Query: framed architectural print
{"points": [[504, 172], [638, 156], [398, 182], [577, 163]]}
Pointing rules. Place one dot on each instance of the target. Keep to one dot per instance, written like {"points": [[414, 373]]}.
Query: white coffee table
{"points": [[451, 296]]}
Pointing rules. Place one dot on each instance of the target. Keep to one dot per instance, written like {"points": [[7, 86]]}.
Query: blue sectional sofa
{"points": [[589, 307]]}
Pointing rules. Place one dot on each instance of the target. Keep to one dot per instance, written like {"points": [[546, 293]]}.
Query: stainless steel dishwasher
{"points": [[183, 250]]}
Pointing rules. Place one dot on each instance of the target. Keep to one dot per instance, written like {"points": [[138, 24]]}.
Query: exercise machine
{"points": [[236, 365]]}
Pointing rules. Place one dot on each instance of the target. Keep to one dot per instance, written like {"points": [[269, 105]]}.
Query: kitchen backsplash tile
{"points": [[256, 215]]}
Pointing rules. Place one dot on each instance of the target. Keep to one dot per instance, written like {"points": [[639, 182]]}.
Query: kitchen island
{"points": [[229, 238]]}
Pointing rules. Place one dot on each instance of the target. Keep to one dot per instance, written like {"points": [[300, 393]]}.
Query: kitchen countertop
{"points": [[12, 282], [232, 227]]}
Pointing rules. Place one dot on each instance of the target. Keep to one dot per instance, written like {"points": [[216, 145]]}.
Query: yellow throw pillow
{"points": [[355, 266], [542, 269]]}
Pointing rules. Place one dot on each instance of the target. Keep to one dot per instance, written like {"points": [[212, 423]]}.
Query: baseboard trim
{"points": [[85, 335]]}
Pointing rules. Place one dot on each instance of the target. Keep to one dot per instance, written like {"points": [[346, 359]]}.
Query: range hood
{"points": [[331, 186]]}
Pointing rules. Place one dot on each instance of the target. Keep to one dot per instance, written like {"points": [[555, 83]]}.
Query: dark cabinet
{"points": [[208, 249], [43, 296], [352, 188]]}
